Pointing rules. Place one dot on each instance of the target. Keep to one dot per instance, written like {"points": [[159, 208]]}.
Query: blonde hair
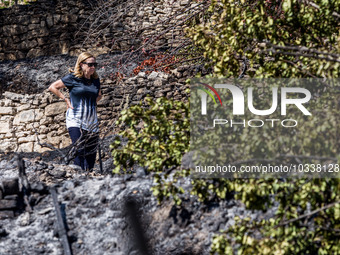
{"points": [[78, 72]]}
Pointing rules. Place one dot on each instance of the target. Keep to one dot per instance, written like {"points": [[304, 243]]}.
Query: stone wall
{"points": [[51, 27], [45, 27], [26, 120], [9, 198]]}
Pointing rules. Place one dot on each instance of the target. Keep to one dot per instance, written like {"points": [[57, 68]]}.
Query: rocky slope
{"points": [[95, 207]]}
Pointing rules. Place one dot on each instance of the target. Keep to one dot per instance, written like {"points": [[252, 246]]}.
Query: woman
{"points": [[81, 117]]}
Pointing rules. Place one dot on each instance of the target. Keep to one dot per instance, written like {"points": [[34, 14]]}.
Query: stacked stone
{"points": [[150, 19], [28, 121], [166, 17], [46, 27], [132, 91], [9, 198], [40, 28]]}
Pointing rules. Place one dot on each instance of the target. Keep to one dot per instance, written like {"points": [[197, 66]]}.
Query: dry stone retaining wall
{"points": [[26, 120], [45, 27], [50, 27]]}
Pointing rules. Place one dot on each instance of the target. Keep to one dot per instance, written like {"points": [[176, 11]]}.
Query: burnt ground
{"points": [[98, 217], [32, 76]]}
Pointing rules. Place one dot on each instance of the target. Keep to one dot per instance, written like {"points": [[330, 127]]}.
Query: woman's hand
{"points": [[55, 89], [68, 103]]}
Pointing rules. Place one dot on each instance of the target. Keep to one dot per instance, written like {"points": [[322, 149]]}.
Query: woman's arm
{"points": [[55, 89], [99, 96]]}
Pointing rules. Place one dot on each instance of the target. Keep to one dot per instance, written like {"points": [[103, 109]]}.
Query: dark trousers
{"points": [[86, 147]]}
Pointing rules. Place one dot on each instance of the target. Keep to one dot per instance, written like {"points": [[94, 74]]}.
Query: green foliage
{"points": [[166, 187], [307, 211], [288, 38], [9, 3], [307, 220], [280, 39], [158, 135]]}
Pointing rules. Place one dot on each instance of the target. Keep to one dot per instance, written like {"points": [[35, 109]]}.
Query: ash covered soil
{"points": [[32, 76], [95, 210]]}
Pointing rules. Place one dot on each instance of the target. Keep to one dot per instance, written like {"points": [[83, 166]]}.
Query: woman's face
{"points": [[88, 66]]}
